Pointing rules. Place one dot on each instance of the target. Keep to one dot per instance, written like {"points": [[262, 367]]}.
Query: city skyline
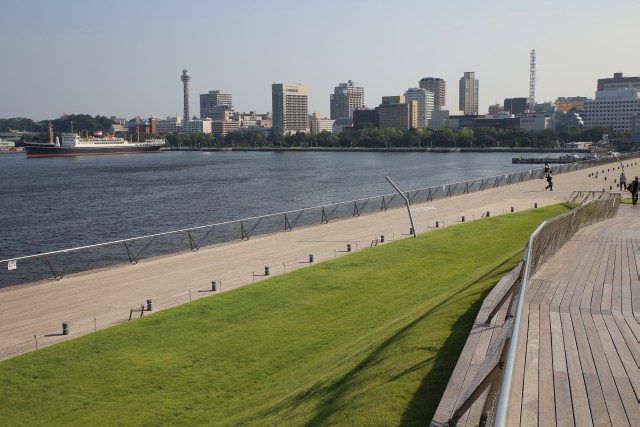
{"points": [[69, 57]]}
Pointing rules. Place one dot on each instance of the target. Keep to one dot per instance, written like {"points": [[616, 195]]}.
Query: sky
{"points": [[125, 58]]}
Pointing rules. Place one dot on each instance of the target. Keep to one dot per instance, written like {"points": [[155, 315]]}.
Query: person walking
{"points": [[546, 169], [549, 180], [623, 181], [634, 191]]}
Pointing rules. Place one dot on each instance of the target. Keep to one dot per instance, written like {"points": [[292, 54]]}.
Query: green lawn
{"points": [[367, 339]]}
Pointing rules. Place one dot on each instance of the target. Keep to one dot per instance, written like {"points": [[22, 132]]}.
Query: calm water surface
{"points": [[57, 203]]}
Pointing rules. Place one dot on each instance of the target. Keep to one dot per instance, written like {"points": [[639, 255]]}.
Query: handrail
{"points": [[592, 208], [500, 417]]}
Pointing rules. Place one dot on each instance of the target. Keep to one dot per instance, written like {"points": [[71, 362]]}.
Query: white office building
{"points": [[169, 125], [425, 101], [616, 109], [197, 126]]}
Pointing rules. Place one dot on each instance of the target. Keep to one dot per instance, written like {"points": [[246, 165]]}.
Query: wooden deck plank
{"points": [[581, 409], [615, 409], [517, 385], [618, 279], [628, 262], [546, 406], [530, 396], [607, 290], [597, 272], [596, 297], [562, 389]]}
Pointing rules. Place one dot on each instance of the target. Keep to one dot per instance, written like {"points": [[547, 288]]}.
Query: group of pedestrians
{"points": [[632, 188]]}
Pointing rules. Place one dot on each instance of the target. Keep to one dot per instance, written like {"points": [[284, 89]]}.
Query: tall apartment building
{"points": [[424, 99], [398, 115], [346, 98], [618, 82], [469, 93], [616, 109], [439, 88], [290, 106], [210, 103]]}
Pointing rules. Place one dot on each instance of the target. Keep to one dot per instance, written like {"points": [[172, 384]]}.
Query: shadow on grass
{"points": [[433, 385], [425, 401]]}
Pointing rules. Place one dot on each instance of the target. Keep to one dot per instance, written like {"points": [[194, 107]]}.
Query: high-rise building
{"points": [[346, 97], [424, 99], [210, 101], [439, 88], [469, 93], [619, 82], [290, 108], [186, 78]]}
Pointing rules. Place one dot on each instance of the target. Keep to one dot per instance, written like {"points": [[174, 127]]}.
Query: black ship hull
{"points": [[54, 151]]}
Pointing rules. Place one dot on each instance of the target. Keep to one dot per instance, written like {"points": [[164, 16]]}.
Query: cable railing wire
{"points": [[57, 264]]}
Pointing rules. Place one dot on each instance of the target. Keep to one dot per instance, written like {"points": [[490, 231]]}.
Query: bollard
{"points": [[310, 258], [437, 224], [149, 305], [488, 214], [348, 247], [382, 239], [266, 271], [462, 219], [511, 208], [214, 286], [65, 328]]}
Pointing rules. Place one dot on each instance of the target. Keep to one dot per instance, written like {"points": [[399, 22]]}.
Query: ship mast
{"points": [[50, 133]]}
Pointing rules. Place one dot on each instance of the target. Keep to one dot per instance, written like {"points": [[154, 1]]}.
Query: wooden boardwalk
{"points": [[32, 315], [578, 365], [578, 354]]}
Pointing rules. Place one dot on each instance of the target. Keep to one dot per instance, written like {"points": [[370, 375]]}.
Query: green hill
{"points": [[367, 339]]}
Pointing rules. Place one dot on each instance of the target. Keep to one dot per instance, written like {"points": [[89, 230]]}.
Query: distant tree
{"points": [[444, 137], [485, 137], [465, 137], [20, 124]]}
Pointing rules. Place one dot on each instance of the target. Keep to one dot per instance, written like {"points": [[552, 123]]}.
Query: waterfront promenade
{"points": [[33, 314]]}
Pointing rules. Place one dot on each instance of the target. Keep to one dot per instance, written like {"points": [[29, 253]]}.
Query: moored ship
{"points": [[74, 145]]}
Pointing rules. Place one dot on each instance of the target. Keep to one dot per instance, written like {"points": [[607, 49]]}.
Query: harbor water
{"points": [[58, 203]]}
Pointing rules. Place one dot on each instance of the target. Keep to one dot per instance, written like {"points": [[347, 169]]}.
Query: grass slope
{"points": [[368, 339]]}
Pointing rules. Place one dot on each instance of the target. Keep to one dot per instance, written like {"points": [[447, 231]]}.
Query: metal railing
{"points": [[545, 241], [57, 264]]}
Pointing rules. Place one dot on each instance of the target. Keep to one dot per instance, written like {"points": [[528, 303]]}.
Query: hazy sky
{"points": [[125, 58]]}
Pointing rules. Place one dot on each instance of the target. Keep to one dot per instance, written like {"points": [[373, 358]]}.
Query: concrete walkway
{"points": [[33, 314]]}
